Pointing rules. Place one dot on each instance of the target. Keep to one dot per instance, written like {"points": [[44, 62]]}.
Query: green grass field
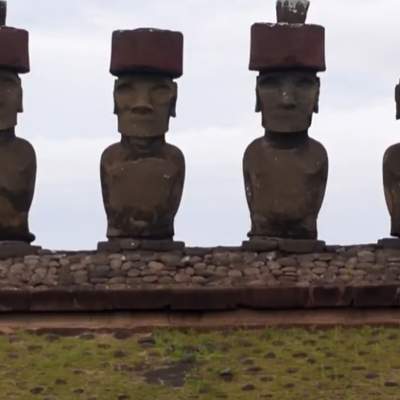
{"points": [[335, 364]]}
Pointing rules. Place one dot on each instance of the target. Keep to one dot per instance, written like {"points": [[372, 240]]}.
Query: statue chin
{"points": [[287, 126], [141, 134], [147, 131], [7, 123]]}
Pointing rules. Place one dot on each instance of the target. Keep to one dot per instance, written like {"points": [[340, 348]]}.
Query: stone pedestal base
{"points": [[17, 249], [389, 243], [287, 245], [117, 245]]}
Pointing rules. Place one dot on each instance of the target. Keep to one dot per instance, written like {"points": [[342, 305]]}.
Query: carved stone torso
{"points": [[285, 186], [142, 190], [17, 183], [391, 181]]}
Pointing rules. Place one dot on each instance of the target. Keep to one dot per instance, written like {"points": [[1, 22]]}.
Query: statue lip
{"points": [[137, 116]]}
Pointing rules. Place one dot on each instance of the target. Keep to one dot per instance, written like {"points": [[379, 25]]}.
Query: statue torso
{"points": [[17, 182], [391, 180], [142, 191], [285, 187]]}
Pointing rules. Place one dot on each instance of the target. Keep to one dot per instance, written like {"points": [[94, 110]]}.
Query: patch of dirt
{"points": [[173, 375]]}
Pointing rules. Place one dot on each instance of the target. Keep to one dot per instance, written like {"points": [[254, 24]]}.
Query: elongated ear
{"points": [[172, 110], [115, 102], [258, 102], [20, 108], [316, 105]]}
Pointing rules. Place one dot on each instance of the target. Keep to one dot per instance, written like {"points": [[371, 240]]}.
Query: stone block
{"points": [[15, 300], [198, 299], [17, 249], [330, 296], [52, 301], [115, 246], [301, 246], [14, 44], [198, 251], [375, 296], [139, 300], [260, 245], [283, 46], [118, 245], [149, 50], [390, 243], [161, 245], [290, 297]]}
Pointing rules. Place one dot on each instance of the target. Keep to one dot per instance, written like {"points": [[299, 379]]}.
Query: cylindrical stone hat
{"points": [[290, 43], [147, 50], [14, 45]]}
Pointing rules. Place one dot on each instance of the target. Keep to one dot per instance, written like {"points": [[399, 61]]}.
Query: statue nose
{"points": [[288, 99]]}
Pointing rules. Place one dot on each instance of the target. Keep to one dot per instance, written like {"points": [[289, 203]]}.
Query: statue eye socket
{"points": [[7, 82], [269, 82], [305, 82], [123, 87], [161, 91]]}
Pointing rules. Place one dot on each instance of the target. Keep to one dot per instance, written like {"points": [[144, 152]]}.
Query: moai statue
{"points": [[285, 171], [142, 176], [391, 182], [17, 156]]}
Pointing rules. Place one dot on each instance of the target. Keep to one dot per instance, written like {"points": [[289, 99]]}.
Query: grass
{"points": [[335, 364]]}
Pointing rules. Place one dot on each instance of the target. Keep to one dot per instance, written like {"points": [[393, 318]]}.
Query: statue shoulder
{"points": [[255, 145], [174, 152], [317, 149], [111, 151], [392, 152], [24, 148]]}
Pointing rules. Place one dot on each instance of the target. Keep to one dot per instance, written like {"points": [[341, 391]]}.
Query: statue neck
{"points": [[7, 134], [143, 144], [287, 140]]}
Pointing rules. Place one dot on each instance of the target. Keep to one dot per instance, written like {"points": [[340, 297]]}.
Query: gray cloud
{"points": [[68, 111]]}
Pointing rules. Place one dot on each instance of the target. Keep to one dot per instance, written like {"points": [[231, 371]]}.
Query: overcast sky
{"points": [[68, 112]]}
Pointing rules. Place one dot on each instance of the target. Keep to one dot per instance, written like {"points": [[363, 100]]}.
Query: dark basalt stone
{"points": [[375, 296], [142, 177], [285, 187], [285, 172], [389, 243], [142, 192], [260, 244], [17, 156], [302, 246], [17, 184], [17, 249], [391, 179], [118, 245]]}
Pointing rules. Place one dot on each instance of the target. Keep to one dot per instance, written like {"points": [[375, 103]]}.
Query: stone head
{"points": [[144, 102], [10, 98], [14, 60], [287, 99]]}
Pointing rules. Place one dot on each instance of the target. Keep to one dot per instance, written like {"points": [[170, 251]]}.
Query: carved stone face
{"points": [[144, 103], [287, 99], [10, 99]]}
